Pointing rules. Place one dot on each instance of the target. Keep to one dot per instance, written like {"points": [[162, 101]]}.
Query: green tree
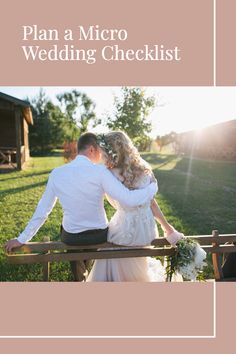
{"points": [[45, 133], [131, 112], [55, 124], [166, 139], [78, 108]]}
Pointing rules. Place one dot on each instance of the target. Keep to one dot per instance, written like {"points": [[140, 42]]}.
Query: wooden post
{"points": [[46, 265], [18, 137], [78, 268], [216, 259]]}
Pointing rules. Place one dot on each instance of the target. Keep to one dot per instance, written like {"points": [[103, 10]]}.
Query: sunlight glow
{"points": [[178, 109]]}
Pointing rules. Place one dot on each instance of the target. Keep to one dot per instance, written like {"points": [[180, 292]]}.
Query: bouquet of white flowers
{"points": [[188, 259]]}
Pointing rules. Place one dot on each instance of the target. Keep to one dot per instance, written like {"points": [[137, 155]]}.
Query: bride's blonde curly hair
{"points": [[119, 152]]}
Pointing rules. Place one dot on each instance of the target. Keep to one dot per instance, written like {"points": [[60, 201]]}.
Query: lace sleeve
{"points": [[145, 180]]}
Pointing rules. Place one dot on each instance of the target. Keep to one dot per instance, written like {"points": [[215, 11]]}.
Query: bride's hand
{"points": [[172, 235]]}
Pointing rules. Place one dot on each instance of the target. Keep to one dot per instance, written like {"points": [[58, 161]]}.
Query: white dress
{"points": [[130, 227]]}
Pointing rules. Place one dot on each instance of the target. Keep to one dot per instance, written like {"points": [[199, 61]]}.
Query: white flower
{"points": [[197, 263], [188, 259], [200, 256]]}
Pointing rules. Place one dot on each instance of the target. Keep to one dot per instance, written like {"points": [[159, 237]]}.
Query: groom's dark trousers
{"points": [[88, 237]]}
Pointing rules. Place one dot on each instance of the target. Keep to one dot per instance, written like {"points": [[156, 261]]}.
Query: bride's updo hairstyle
{"points": [[120, 153]]}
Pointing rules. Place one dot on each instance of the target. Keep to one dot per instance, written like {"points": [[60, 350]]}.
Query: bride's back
{"points": [[132, 226], [140, 181]]}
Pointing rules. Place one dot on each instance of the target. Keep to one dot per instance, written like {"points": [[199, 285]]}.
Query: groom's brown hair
{"points": [[86, 140]]}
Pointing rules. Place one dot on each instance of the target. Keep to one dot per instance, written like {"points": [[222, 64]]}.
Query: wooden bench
{"points": [[6, 155], [56, 251]]}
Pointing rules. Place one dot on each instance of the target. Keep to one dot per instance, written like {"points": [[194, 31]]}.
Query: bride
{"points": [[131, 226]]}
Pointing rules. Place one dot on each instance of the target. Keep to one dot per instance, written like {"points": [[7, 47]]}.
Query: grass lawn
{"points": [[196, 196]]}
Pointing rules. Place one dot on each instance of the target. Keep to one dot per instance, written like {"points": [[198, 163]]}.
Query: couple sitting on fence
{"points": [[129, 185]]}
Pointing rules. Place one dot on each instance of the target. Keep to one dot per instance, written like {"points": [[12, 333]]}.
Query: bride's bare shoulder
{"points": [[117, 173], [144, 179]]}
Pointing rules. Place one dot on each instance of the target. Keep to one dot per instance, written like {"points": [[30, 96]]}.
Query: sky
{"points": [[178, 108]]}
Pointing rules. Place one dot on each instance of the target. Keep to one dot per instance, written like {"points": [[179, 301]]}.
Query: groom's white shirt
{"points": [[80, 187]]}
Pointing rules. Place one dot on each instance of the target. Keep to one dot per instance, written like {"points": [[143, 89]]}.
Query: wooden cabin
{"points": [[15, 117]]}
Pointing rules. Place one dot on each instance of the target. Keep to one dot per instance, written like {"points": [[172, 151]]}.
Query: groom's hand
{"points": [[14, 243]]}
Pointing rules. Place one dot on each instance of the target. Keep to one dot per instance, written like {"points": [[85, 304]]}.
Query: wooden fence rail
{"points": [[56, 251]]}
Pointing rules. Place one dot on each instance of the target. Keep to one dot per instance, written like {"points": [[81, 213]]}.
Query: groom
{"points": [[80, 187]]}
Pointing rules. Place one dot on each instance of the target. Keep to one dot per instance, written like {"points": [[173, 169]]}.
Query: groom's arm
{"points": [[41, 213], [130, 198]]}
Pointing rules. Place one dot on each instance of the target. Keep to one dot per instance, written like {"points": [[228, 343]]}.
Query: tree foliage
{"points": [[78, 108], [56, 123], [166, 139], [131, 111]]}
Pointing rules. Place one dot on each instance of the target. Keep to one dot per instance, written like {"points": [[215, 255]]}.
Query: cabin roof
{"points": [[26, 109]]}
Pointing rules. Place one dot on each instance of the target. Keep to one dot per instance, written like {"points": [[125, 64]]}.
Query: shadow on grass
{"points": [[47, 154], [193, 189], [6, 192], [7, 170], [159, 159], [26, 175]]}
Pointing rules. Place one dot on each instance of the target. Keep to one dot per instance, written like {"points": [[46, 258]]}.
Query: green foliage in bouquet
{"points": [[183, 256]]}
